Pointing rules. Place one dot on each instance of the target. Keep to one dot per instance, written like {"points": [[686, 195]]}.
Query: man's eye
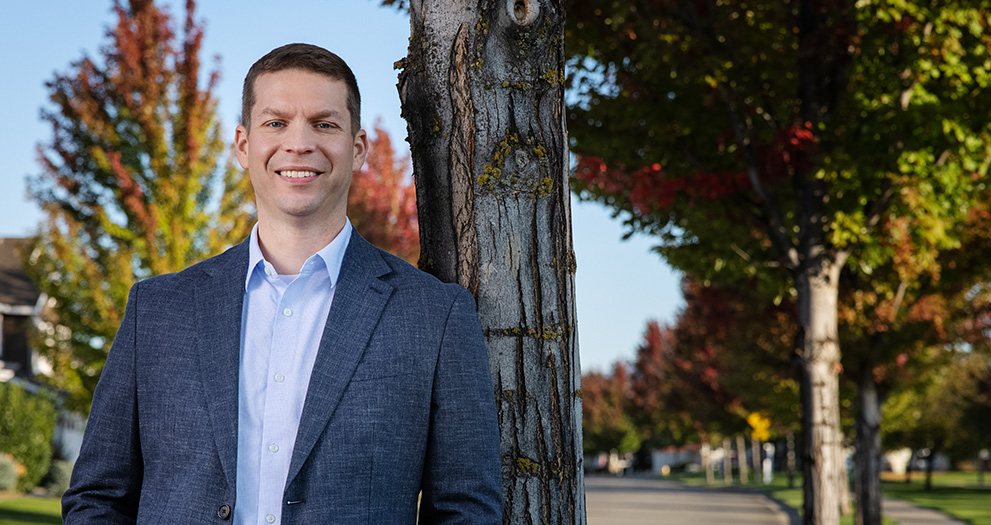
{"points": [[325, 125], [275, 124]]}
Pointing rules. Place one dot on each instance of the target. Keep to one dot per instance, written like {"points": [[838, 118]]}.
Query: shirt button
{"points": [[273, 448], [287, 312], [279, 378], [268, 271], [270, 518]]}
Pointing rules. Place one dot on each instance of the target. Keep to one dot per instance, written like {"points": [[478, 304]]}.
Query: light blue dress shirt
{"points": [[282, 322]]}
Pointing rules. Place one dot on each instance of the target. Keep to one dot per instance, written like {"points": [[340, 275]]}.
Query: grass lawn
{"points": [[29, 510], [954, 493]]}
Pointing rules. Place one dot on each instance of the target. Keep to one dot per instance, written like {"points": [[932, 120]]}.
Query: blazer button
{"points": [[224, 512]]}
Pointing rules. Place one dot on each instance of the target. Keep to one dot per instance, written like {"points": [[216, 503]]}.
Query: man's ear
{"points": [[241, 146], [360, 150]]}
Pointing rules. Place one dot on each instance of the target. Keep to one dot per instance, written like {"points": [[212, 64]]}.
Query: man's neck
{"points": [[287, 246]]}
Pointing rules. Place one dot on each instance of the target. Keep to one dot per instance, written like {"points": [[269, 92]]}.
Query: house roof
{"points": [[16, 288]]}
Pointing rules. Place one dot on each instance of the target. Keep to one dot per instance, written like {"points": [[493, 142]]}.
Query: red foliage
{"points": [[653, 379], [791, 151], [604, 397], [650, 189]]}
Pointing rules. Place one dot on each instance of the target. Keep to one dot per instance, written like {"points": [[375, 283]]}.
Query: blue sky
{"points": [[620, 285]]}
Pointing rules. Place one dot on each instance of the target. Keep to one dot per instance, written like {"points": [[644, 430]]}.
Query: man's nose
{"points": [[299, 139]]}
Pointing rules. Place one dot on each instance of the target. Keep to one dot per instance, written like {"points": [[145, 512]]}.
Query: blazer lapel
{"points": [[219, 299], [359, 299]]}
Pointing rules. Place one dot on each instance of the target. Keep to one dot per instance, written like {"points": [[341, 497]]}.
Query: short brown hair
{"points": [[307, 58]]}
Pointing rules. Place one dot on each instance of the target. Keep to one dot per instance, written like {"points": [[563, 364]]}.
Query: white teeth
{"points": [[297, 174]]}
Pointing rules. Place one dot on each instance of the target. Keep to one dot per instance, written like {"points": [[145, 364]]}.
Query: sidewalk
{"points": [[642, 501], [906, 513], [646, 500]]}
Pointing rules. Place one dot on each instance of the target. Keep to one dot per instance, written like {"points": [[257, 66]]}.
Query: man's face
{"points": [[300, 151]]}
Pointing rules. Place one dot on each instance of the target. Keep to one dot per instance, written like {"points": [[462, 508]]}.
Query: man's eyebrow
{"points": [[274, 112], [327, 113]]}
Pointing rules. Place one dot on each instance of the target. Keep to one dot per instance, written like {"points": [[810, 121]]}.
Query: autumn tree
{"points": [[733, 364], [766, 141], [947, 413], [948, 409], [887, 352], [655, 391], [135, 182], [902, 321], [482, 93], [606, 418], [382, 200], [705, 377]]}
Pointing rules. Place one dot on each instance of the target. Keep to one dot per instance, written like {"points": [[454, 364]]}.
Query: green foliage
{"points": [[132, 183], [27, 422]]}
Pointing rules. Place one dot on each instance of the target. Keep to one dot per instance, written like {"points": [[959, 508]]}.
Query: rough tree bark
{"points": [[482, 95]]}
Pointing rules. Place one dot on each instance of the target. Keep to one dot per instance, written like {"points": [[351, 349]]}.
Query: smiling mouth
{"points": [[297, 174]]}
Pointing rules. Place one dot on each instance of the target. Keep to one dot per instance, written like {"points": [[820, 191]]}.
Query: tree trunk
{"points": [[982, 465], [821, 454], [790, 457], [929, 465], [755, 458], [867, 480], [727, 462], [741, 459], [710, 475], [843, 478], [908, 469], [481, 92]]}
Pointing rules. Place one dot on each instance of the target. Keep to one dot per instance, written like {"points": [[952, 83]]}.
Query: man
{"points": [[303, 376]]}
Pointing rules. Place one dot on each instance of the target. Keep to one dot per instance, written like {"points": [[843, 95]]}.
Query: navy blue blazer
{"points": [[400, 401]]}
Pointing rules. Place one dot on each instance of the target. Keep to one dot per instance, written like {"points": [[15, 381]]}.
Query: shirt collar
{"points": [[332, 255]]}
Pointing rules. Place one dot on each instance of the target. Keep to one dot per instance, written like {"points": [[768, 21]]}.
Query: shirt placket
{"points": [[281, 385]]}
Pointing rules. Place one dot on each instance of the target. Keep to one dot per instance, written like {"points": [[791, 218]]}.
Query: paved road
{"points": [[641, 501]]}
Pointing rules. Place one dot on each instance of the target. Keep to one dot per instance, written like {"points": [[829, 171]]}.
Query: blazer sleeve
{"points": [[106, 479], [462, 473]]}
